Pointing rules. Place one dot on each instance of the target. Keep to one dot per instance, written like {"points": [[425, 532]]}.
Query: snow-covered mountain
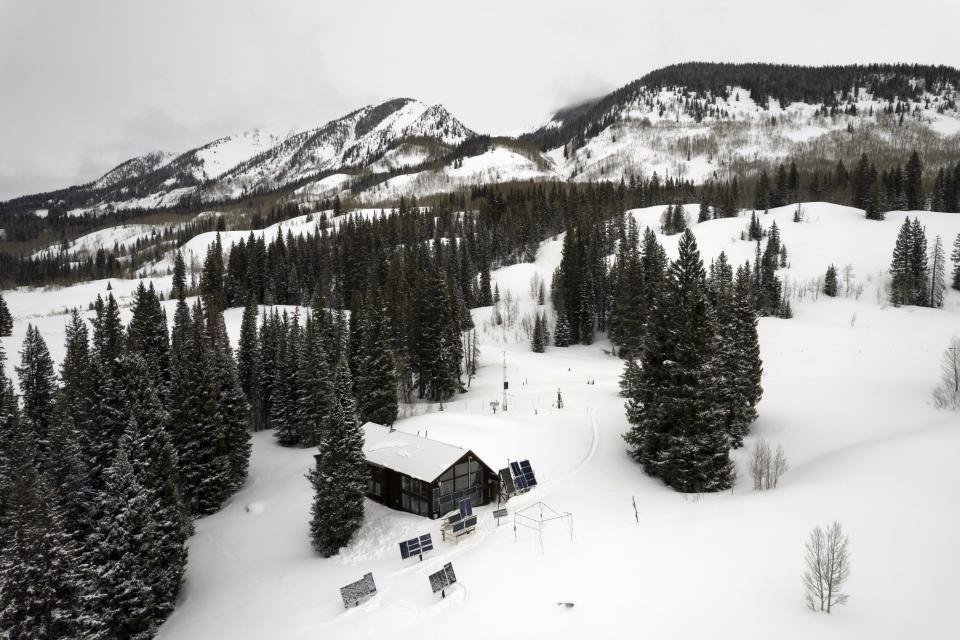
{"points": [[694, 121]]}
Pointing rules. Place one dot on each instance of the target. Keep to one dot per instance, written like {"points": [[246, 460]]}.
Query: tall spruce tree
{"points": [[955, 258], [6, 320], [340, 477], [38, 388], [938, 284], [678, 433], [830, 282]]}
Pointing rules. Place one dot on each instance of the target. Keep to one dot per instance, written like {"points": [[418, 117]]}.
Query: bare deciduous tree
{"points": [[766, 468], [828, 567], [947, 393]]}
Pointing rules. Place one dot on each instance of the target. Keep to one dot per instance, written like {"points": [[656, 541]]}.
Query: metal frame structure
{"points": [[536, 516]]}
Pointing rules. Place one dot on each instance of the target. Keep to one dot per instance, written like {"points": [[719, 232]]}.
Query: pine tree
{"points": [[630, 378], [38, 386], [340, 477], [901, 274], [248, 363], [315, 384], [233, 411], [938, 285], [179, 290], [830, 282], [561, 335], [678, 433], [153, 459], [6, 320], [147, 335], [918, 264], [913, 183], [537, 337], [377, 377], [955, 257], [126, 540], [283, 407], [40, 572]]}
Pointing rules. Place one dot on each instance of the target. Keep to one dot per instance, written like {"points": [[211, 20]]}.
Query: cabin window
{"points": [[374, 487]]}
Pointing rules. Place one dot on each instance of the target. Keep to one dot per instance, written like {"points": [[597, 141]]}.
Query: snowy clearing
{"points": [[847, 386]]}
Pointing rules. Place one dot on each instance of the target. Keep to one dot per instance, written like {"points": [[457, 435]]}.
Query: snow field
{"points": [[847, 386]]}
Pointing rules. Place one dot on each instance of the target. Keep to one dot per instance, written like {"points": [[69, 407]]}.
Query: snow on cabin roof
{"points": [[409, 454]]}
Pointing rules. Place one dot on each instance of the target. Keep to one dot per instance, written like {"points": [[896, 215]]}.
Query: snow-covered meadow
{"points": [[847, 387]]}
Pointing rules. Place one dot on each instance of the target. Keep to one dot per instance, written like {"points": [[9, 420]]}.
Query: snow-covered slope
{"points": [[694, 121], [133, 169], [847, 387]]}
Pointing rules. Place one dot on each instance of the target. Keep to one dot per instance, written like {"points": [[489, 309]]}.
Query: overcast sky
{"points": [[85, 85]]}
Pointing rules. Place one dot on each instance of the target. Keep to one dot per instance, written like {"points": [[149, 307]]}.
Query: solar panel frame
{"points": [[356, 592], [506, 479], [440, 580]]}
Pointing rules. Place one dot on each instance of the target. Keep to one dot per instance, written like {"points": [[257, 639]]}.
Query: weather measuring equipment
{"points": [[416, 547], [357, 592], [442, 579]]}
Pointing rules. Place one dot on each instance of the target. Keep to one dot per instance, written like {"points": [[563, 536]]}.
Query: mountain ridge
{"points": [[691, 120]]}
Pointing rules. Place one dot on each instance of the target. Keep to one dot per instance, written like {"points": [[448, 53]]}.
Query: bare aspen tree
{"points": [[778, 466], [828, 567], [757, 464], [765, 467], [947, 393]]}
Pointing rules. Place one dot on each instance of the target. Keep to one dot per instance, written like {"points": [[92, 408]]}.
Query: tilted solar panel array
{"points": [[416, 546]]}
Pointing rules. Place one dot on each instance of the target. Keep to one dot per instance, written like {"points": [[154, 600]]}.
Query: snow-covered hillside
{"points": [[847, 387], [711, 127]]}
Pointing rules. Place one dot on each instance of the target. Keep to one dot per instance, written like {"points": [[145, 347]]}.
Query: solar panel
{"points": [[426, 543], [529, 480], [470, 522], [457, 517], [356, 592], [506, 480], [443, 578], [458, 526], [466, 507], [416, 546], [515, 468], [520, 481]]}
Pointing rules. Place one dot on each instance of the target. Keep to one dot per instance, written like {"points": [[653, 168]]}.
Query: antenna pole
{"points": [[504, 380]]}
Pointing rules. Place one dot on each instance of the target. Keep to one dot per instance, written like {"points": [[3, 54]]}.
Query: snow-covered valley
{"points": [[847, 393]]}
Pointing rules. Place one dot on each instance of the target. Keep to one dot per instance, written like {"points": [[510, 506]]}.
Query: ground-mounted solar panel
{"points": [[470, 522], [520, 481], [416, 546], [529, 478], [459, 526], [356, 592], [426, 543], [506, 481], [466, 507], [443, 578], [515, 468]]}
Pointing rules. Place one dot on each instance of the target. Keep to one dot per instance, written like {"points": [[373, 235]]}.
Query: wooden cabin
{"points": [[423, 476]]}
